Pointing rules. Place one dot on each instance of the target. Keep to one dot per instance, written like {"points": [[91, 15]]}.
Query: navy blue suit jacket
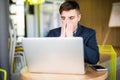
{"points": [[91, 52]]}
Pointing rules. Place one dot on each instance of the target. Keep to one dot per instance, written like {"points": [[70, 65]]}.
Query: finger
{"points": [[69, 30], [63, 29], [70, 27]]}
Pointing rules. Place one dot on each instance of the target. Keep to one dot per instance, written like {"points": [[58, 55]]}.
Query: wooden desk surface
{"points": [[90, 75]]}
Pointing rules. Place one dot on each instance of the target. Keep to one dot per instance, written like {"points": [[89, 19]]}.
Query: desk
{"points": [[90, 75]]}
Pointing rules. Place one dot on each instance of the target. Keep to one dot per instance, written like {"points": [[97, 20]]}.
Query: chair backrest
{"points": [[4, 72], [109, 50], [13, 33]]}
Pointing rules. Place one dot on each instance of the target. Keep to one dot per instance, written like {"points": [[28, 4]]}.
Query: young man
{"points": [[70, 16]]}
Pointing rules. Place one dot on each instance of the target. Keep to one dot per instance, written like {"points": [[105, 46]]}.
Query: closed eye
{"points": [[63, 18], [71, 17]]}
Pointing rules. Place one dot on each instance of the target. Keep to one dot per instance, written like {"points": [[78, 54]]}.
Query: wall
{"points": [[95, 14]]}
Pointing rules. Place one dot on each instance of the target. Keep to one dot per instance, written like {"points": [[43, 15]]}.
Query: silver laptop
{"points": [[54, 55]]}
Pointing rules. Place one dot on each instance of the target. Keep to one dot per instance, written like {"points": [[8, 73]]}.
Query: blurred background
{"points": [[34, 18]]}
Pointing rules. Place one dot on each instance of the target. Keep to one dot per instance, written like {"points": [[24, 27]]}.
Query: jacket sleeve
{"points": [[91, 52]]}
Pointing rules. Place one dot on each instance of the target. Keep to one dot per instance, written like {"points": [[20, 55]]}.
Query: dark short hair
{"points": [[69, 5]]}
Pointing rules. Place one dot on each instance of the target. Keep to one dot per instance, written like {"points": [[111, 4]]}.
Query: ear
{"points": [[79, 17]]}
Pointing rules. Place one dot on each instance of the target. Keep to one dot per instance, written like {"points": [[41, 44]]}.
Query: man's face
{"points": [[70, 17]]}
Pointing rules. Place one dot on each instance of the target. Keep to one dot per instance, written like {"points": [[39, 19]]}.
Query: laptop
{"points": [[54, 55]]}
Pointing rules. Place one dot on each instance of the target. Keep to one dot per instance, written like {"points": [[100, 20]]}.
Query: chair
{"points": [[12, 32], [12, 53], [4, 72], [109, 50]]}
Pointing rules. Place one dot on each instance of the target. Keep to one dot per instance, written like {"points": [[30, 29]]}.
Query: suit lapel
{"points": [[79, 31]]}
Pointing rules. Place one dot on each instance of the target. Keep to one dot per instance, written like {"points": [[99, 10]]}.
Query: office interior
{"points": [[21, 18]]}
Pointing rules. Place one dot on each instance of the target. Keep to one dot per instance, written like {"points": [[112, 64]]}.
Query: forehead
{"points": [[69, 13]]}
